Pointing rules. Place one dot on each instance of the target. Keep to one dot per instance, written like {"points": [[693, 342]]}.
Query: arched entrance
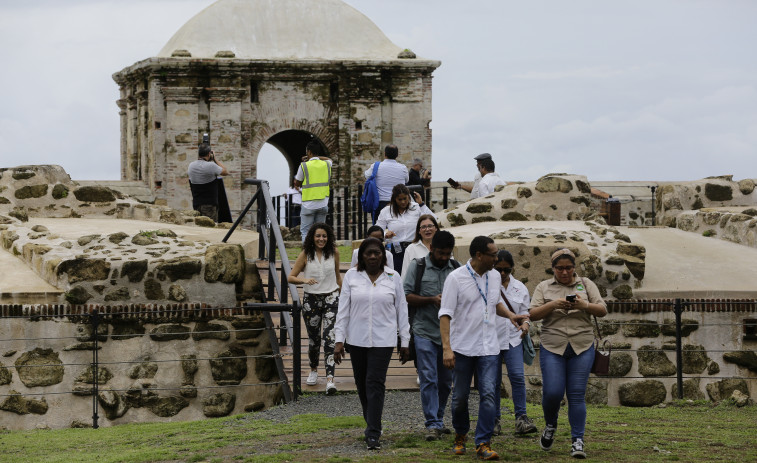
{"points": [[292, 144]]}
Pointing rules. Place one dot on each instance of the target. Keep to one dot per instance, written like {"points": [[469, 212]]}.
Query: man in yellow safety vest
{"points": [[313, 176]]}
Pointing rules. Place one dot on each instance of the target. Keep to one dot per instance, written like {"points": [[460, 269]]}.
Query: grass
{"points": [[678, 432]]}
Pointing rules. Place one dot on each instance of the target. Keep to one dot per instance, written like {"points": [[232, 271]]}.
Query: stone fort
{"points": [[175, 343], [278, 72]]}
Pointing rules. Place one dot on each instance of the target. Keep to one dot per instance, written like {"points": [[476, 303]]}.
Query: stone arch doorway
{"points": [[292, 143]]}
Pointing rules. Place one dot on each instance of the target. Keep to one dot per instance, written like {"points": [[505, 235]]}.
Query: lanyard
{"points": [[483, 296]]}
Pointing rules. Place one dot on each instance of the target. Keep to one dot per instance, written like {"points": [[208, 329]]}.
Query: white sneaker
{"points": [[418, 380], [312, 378], [330, 387]]}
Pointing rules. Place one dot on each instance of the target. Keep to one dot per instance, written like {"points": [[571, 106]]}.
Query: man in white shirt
{"points": [[390, 173], [474, 190], [489, 179], [470, 302], [202, 175]]}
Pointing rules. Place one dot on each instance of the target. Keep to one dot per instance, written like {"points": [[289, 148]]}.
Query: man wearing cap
{"points": [[313, 176], [489, 179], [474, 190]]}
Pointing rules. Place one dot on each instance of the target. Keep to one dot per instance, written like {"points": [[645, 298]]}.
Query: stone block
{"points": [[166, 406], [481, 219], [83, 269], [224, 263], [723, 389], [549, 184], [203, 221], [153, 290], [743, 358], [146, 369], [596, 391], [134, 270], [60, 191], [169, 332], [455, 220], [33, 375], [479, 208], [127, 330], [113, 404], [691, 390], [509, 203], [688, 326], [88, 375], [220, 404], [95, 194], [717, 192], [20, 405], [523, 192], [5, 375], [180, 268], [513, 216], [695, 359], [620, 363], [644, 393], [203, 330], [85, 333], [622, 292], [31, 191], [249, 328], [654, 362], [229, 367], [746, 186], [265, 369]]}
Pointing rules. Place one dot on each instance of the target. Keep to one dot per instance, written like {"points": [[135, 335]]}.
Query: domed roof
{"points": [[282, 29]]}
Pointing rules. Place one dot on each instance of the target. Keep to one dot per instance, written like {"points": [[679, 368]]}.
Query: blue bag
{"points": [[370, 198]]}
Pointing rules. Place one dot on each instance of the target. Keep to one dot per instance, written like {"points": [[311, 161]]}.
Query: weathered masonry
{"points": [[259, 71]]}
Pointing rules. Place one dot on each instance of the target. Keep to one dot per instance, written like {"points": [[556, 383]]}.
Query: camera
{"points": [[206, 138], [570, 298]]}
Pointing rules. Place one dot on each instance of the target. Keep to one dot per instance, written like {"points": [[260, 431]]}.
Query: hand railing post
{"points": [[296, 351], [95, 320], [678, 308]]}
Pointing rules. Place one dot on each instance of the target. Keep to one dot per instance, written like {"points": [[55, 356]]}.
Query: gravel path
{"points": [[402, 409]]}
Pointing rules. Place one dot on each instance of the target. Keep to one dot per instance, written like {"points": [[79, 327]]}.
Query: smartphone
{"points": [[453, 183], [570, 298]]}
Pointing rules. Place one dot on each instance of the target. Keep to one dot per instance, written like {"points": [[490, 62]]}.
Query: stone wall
{"points": [[552, 197], [672, 199], [738, 225], [167, 363], [718, 358]]}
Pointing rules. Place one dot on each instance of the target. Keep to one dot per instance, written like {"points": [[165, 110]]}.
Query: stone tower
{"points": [[251, 72]]}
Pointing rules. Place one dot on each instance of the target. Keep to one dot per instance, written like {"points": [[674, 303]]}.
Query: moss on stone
{"points": [[77, 295], [169, 332], [39, 367], [83, 269], [481, 219], [479, 208], [60, 191], [523, 192], [456, 220], [513, 216], [716, 192], [95, 194], [509, 203]]}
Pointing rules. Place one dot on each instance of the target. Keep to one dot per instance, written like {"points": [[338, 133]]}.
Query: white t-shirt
{"points": [[488, 183], [390, 173], [202, 171], [316, 203], [517, 294]]}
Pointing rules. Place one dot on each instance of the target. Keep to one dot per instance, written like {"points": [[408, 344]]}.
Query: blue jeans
{"points": [[310, 216], [436, 381], [566, 374], [513, 358], [486, 370]]}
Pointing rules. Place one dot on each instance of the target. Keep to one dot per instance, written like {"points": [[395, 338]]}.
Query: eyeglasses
{"points": [[504, 270], [567, 268], [427, 227], [490, 254]]}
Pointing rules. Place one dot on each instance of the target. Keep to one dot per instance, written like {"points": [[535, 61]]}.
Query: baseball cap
{"points": [[483, 156]]}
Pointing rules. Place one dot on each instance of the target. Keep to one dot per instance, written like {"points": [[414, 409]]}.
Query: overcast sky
{"points": [[615, 90]]}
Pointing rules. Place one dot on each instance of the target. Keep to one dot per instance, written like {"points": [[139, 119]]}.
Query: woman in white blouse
{"points": [[515, 294], [372, 310], [424, 232], [319, 260], [399, 219]]}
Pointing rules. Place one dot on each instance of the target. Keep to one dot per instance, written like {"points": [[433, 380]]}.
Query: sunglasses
{"points": [[504, 270]]}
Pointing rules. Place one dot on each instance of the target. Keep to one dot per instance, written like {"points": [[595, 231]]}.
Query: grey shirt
{"points": [[201, 171], [426, 321]]}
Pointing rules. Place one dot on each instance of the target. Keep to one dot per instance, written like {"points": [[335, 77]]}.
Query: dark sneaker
{"points": [[497, 428], [485, 452], [459, 445], [372, 443], [524, 425], [577, 450], [547, 438], [433, 434], [445, 430]]}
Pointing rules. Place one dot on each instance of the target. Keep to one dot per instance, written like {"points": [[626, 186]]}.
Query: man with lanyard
{"points": [[424, 296], [470, 301], [313, 176]]}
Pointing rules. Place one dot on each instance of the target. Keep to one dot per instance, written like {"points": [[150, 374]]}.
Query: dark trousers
{"points": [[375, 214], [369, 367]]}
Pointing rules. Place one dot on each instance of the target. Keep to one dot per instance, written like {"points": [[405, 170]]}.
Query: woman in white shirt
{"points": [[319, 260], [372, 310], [399, 219], [515, 294], [424, 232]]}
